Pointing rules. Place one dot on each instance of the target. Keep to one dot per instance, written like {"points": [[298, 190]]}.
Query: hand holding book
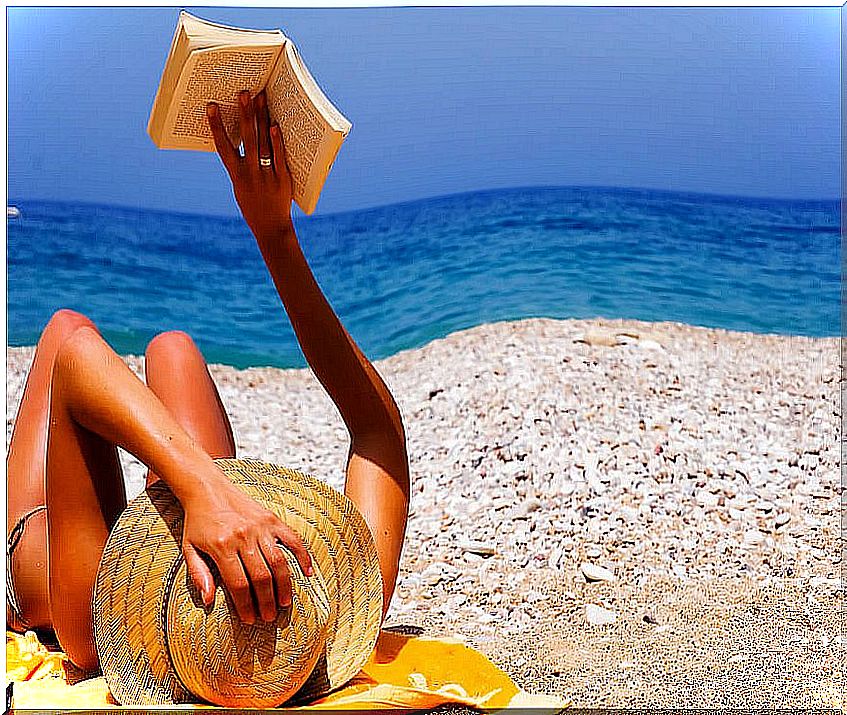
{"points": [[213, 63], [260, 179]]}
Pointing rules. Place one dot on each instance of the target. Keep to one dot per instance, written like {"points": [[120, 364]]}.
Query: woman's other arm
{"points": [[100, 394]]}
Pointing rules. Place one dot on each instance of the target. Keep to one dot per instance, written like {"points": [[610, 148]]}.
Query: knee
{"points": [[64, 322], [170, 347], [78, 346]]}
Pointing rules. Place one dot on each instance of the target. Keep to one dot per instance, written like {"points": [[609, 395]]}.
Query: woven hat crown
{"points": [[219, 658], [159, 645]]}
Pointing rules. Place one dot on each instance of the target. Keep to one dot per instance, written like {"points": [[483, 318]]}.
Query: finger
{"points": [[247, 123], [238, 587], [279, 566], [280, 161], [227, 152], [260, 108], [200, 574], [293, 541], [261, 580]]}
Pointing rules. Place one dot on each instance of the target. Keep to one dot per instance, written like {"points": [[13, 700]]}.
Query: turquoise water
{"points": [[401, 275]]}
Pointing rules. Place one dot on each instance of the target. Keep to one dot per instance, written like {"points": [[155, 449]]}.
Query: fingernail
{"points": [[244, 97], [211, 109]]}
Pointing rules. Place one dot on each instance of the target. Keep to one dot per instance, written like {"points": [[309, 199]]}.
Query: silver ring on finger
{"points": [[265, 162]]}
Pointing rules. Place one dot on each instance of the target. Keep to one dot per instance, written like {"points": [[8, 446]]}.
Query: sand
{"points": [[697, 469]]}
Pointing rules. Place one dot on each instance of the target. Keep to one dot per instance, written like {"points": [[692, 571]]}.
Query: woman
{"points": [[81, 400]]}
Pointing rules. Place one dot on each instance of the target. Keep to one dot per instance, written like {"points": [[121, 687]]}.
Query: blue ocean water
{"points": [[400, 276]]}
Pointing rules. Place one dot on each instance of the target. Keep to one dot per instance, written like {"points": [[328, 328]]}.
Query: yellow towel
{"points": [[403, 672]]}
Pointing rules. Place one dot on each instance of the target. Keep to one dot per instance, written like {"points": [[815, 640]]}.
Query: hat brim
{"points": [[143, 553]]}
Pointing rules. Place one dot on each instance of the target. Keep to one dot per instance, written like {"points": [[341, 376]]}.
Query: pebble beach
{"points": [[627, 514]]}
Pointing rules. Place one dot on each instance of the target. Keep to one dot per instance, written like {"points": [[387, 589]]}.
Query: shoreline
{"points": [[698, 467], [624, 327]]}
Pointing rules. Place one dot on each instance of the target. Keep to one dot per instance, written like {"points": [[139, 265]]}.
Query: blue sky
{"points": [[443, 100]]}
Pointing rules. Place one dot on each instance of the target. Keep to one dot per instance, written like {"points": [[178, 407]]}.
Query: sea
{"points": [[400, 276]]}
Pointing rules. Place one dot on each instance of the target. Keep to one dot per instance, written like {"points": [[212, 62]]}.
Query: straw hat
{"points": [[157, 643]]}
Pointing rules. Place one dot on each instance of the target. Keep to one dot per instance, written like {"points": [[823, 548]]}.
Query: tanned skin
{"points": [[81, 401]]}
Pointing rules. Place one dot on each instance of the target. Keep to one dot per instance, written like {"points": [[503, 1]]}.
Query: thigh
{"points": [[85, 495], [25, 474], [178, 375]]}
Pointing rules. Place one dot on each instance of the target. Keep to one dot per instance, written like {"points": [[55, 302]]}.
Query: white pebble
{"points": [[592, 572], [599, 616]]}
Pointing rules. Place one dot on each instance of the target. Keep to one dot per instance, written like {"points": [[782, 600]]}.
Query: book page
{"points": [[215, 75], [330, 112], [170, 76], [205, 33], [303, 127]]}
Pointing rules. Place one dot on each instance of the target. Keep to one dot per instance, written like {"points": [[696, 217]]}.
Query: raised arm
{"points": [[377, 469]]}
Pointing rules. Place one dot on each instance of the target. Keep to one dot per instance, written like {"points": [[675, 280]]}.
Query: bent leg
{"points": [[25, 473], [85, 495], [177, 374]]}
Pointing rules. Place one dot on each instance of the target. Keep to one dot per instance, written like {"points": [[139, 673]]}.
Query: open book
{"points": [[213, 63]]}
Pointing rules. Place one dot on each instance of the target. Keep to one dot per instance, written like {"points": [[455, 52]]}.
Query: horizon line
{"points": [[407, 202]]}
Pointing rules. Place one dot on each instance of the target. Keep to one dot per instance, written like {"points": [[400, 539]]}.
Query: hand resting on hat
{"points": [[242, 538]]}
